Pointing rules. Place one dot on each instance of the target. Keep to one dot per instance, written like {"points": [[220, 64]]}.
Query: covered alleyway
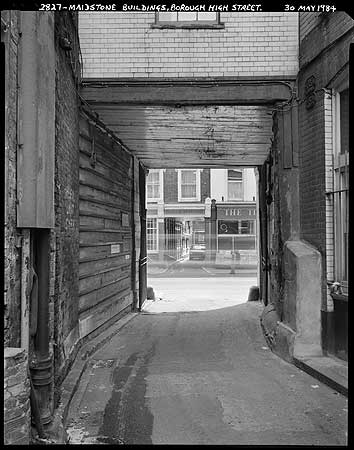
{"points": [[204, 377], [146, 94]]}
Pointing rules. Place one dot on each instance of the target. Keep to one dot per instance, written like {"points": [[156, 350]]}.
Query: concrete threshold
{"points": [[329, 370]]}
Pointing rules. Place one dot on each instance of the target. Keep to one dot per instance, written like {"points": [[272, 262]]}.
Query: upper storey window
{"points": [[234, 185], [188, 185], [154, 186], [188, 20]]}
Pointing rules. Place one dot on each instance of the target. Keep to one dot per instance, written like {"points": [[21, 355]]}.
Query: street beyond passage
{"points": [[204, 377]]}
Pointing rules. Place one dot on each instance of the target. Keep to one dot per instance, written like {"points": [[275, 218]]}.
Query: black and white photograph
{"points": [[176, 223]]}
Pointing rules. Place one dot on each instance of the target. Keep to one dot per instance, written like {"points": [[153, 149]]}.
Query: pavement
{"points": [[327, 369], [197, 292], [200, 377]]}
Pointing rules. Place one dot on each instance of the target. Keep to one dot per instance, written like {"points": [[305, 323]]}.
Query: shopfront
{"points": [[236, 231]]}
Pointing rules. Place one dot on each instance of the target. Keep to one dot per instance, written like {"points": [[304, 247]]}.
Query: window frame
{"points": [[239, 227], [234, 181], [160, 197], [189, 199], [188, 24], [340, 165], [155, 233]]}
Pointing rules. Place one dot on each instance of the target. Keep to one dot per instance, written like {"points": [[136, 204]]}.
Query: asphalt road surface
{"points": [[190, 286], [203, 377], [197, 269]]}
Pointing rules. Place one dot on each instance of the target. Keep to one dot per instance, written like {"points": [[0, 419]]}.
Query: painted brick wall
{"points": [[16, 397], [66, 244], [12, 274], [123, 44]]}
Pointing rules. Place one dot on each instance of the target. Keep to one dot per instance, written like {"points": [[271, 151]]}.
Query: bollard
{"points": [[150, 294], [253, 295]]}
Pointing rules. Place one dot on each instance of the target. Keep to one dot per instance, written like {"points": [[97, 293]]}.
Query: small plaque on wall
{"points": [[115, 248], [125, 220]]}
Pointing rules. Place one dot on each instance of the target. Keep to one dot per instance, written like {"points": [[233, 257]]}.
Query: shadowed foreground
{"points": [[201, 378]]}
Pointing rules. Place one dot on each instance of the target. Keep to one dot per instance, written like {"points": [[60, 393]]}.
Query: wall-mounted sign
{"points": [[236, 212], [125, 220], [115, 248]]}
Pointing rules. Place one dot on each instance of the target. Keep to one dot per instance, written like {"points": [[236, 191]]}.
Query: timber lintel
{"points": [[182, 92]]}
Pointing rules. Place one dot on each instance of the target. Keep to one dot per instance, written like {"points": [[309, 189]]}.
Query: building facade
{"points": [[325, 117], [93, 101], [179, 203], [304, 184]]}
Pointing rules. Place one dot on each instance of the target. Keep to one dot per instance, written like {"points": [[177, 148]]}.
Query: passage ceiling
{"points": [[190, 123], [192, 136]]}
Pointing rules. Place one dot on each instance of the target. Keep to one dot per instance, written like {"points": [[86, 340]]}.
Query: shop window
{"points": [[236, 227], [154, 185], [228, 227], [188, 185], [247, 227], [234, 185], [151, 235]]}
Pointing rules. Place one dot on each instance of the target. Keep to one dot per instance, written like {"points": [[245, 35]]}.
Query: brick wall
{"points": [[324, 30], [12, 284], [307, 21], [66, 245], [312, 162], [205, 185], [170, 185], [123, 44], [16, 397]]}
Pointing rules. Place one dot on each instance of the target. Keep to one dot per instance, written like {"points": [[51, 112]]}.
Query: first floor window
{"points": [[151, 234], [189, 185], [234, 185], [153, 185]]}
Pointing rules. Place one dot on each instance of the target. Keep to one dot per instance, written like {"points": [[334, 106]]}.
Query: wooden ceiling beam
{"points": [[179, 92]]}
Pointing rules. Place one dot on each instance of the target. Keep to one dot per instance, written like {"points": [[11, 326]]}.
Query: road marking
{"points": [[207, 271]]}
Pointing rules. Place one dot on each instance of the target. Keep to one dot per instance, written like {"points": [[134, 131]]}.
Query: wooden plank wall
{"points": [[105, 228]]}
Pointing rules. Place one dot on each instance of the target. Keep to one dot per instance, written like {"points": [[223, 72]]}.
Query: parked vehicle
{"points": [[197, 251]]}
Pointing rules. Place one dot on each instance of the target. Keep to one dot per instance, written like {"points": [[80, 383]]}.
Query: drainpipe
{"points": [[41, 360]]}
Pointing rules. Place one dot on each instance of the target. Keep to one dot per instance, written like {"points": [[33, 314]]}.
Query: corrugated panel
{"points": [[105, 239]]}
